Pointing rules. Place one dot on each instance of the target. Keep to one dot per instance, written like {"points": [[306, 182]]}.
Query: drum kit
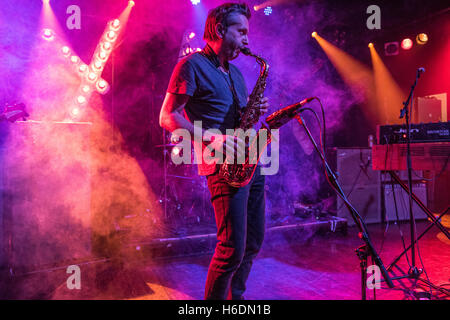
{"points": [[184, 194]]}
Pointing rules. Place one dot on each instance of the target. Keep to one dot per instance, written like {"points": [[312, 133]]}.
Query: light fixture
{"points": [[65, 51], [81, 99], [48, 34], [406, 44], [422, 38], [115, 24], [391, 48], [74, 59], [92, 76], [102, 86]]}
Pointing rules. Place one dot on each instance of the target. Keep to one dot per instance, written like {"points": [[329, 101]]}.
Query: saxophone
{"points": [[239, 175]]}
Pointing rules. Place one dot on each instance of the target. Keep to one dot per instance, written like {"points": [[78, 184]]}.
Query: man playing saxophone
{"points": [[205, 87]]}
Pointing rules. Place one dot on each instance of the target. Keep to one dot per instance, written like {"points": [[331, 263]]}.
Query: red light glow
{"points": [[407, 44]]}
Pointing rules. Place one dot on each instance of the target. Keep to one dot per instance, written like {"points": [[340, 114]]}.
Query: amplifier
{"points": [[421, 132]]}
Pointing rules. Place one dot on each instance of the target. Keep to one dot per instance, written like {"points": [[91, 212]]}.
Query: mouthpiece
{"points": [[245, 51]]}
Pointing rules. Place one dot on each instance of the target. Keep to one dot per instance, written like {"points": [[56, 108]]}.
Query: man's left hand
{"points": [[264, 105]]}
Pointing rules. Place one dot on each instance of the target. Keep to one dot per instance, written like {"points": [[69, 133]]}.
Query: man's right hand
{"points": [[231, 144]]}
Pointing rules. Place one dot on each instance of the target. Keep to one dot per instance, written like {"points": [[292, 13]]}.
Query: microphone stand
{"points": [[367, 249], [405, 113]]}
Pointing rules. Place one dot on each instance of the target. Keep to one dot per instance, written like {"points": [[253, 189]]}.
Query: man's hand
{"points": [[264, 105], [235, 145]]}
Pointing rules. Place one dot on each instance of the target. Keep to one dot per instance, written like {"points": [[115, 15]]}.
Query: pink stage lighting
{"points": [[83, 68], [407, 44], [92, 76], [75, 112], [102, 55], [74, 59], [81, 99], [98, 65], [111, 36], [102, 86], [107, 46], [48, 34], [115, 24], [86, 89], [65, 51]]}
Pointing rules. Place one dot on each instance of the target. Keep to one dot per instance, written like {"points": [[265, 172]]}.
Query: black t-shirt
{"points": [[210, 90], [211, 96]]}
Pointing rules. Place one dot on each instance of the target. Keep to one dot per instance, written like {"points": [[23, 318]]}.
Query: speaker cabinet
{"points": [[46, 193], [360, 184], [428, 109], [402, 202]]}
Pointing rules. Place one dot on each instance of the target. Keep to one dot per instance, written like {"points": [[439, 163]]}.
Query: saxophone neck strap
{"points": [[209, 53]]}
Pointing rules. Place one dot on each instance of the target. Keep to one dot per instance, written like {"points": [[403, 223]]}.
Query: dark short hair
{"points": [[221, 15]]}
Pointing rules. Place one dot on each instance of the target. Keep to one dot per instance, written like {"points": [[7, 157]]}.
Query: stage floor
{"points": [[325, 267]]}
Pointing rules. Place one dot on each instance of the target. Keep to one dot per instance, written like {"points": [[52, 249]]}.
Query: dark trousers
{"points": [[240, 219]]}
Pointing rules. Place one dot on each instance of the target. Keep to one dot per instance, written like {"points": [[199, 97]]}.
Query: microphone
{"points": [[420, 71], [283, 116]]}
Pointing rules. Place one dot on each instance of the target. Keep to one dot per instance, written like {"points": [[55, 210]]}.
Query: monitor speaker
{"points": [[396, 197], [360, 184]]}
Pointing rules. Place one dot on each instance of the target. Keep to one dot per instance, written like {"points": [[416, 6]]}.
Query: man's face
{"points": [[236, 35]]}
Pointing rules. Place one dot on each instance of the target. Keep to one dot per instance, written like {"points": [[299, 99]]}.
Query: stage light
{"points": [[370, 45], [407, 44], [111, 36], [75, 112], [92, 76], [83, 68], [81, 99], [115, 24], [102, 86], [86, 89], [46, 1], [107, 46], [421, 38], [66, 51], [98, 65], [267, 11], [102, 55], [48, 34], [131, 3], [74, 59], [191, 35], [195, 2], [314, 34], [391, 48]]}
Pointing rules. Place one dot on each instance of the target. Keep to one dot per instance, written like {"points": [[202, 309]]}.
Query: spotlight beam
{"points": [[389, 96]]}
